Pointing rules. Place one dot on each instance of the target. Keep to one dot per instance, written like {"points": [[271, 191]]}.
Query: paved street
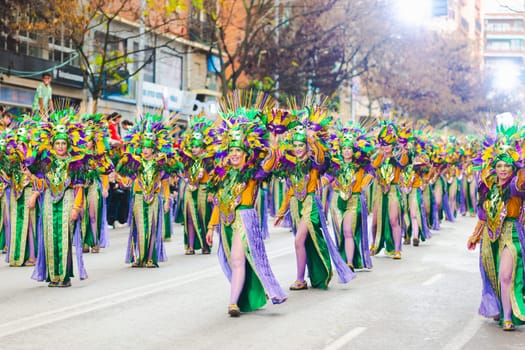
{"points": [[427, 300]]}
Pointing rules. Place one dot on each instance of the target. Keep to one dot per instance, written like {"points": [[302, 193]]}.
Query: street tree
{"points": [[106, 48], [319, 53], [436, 81]]}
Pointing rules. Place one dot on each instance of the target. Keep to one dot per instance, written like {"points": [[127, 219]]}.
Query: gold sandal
{"points": [[299, 285], [233, 310], [508, 326]]}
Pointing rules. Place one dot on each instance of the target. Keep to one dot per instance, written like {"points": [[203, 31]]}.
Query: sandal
{"points": [[190, 251], [351, 266], [30, 262], [415, 242], [95, 249], [52, 284], [299, 285], [233, 310], [396, 255], [136, 264], [64, 284], [150, 264], [508, 326]]}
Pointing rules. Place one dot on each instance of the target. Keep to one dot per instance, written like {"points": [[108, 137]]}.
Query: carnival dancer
{"points": [[99, 166], [143, 168], [196, 201], [25, 191], [6, 140], [411, 184], [469, 182], [351, 174], [278, 121], [62, 203], [500, 231], [302, 162], [439, 185], [243, 159], [388, 211], [450, 177]]}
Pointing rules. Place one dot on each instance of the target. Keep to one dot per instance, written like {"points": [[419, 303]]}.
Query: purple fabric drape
{"points": [[260, 258], [365, 248], [7, 223], [462, 199], [434, 210], [77, 242], [132, 231], [40, 270], [104, 237], [343, 271], [159, 239], [423, 210]]}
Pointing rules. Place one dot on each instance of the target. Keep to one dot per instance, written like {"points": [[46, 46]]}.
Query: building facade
{"points": [[177, 76]]}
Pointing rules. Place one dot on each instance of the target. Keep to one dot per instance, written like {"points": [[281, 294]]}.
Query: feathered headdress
{"points": [[243, 127], [197, 134], [503, 146], [278, 120], [388, 133], [96, 130], [150, 132], [351, 135]]}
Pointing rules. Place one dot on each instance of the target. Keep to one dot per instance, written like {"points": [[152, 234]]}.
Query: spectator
{"points": [[114, 130], [43, 102], [126, 127]]}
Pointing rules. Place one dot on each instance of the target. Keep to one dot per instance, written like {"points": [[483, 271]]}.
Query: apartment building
{"points": [[504, 34], [178, 77]]}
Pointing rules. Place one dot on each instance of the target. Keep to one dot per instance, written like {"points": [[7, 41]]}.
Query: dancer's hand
{"points": [[209, 237], [166, 206], [32, 200], [105, 193], [74, 214], [471, 245], [278, 219]]}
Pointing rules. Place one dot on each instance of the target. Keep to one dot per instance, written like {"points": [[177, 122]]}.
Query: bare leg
{"points": [[438, 196], [506, 268], [191, 230], [93, 221], [393, 215], [349, 238], [414, 218], [238, 266], [452, 196], [300, 249], [31, 241], [374, 221]]}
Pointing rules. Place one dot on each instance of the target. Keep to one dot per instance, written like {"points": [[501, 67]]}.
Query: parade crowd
{"points": [[224, 179]]}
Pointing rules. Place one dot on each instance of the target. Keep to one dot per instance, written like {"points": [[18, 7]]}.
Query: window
{"points": [[148, 70], [61, 50], [169, 70]]}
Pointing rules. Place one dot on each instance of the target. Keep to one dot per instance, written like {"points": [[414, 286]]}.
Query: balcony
{"points": [[202, 32]]}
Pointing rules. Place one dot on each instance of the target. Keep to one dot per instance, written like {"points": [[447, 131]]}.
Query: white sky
{"points": [[413, 12], [491, 6]]}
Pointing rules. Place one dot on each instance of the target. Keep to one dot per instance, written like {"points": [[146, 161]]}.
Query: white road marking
{"points": [[433, 279], [345, 339], [467, 333], [47, 317]]}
